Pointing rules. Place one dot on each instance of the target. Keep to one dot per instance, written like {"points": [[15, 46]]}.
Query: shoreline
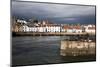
{"points": [[50, 34]]}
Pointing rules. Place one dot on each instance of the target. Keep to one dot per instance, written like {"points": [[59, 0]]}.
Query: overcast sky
{"points": [[58, 13]]}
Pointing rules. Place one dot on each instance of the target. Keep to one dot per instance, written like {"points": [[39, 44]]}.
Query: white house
{"points": [[70, 30], [57, 29], [64, 28], [90, 29], [53, 28], [25, 28], [78, 29], [40, 29], [21, 21]]}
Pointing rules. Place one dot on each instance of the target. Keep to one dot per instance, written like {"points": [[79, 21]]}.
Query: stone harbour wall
{"points": [[77, 48]]}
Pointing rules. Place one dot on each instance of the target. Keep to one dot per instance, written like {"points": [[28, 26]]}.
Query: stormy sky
{"points": [[57, 13]]}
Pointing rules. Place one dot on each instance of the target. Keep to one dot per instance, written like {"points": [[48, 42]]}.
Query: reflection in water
{"points": [[39, 50]]}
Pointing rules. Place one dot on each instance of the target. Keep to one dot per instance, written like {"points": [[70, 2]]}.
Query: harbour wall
{"points": [[48, 34], [77, 48]]}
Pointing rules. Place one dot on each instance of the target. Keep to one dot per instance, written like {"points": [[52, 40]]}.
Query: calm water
{"points": [[39, 50]]}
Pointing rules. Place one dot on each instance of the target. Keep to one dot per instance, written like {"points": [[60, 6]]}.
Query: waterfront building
{"points": [[30, 29], [17, 27], [45, 26], [41, 29], [25, 28], [77, 29], [58, 28], [52, 28], [21, 21], [35, 29], [48, 28], [70, 29], [90, 28], [64, 28]]}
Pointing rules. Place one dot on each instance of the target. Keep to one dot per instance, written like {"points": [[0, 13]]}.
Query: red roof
{"points": [[71, 27]]}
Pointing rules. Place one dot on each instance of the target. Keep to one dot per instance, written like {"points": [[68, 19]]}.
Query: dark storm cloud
{"points": [[54, 12]]}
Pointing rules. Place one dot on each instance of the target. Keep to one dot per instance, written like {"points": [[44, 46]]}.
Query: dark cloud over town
{"points": [[57, 13]]}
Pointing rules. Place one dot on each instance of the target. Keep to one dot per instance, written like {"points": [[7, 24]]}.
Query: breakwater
{"points": [[77, 48]]}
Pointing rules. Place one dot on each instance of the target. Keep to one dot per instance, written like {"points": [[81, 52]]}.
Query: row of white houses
{"points": [[42, 29], [90, 29], [58, 28], [45, 27]]}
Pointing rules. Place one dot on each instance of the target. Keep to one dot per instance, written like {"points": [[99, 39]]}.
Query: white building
{"points": [[70, 30], [78, 30], [41, 29], [73, 29], [58, 28], [25, 28], [90, 29], [53, 28], [21, 21]]}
